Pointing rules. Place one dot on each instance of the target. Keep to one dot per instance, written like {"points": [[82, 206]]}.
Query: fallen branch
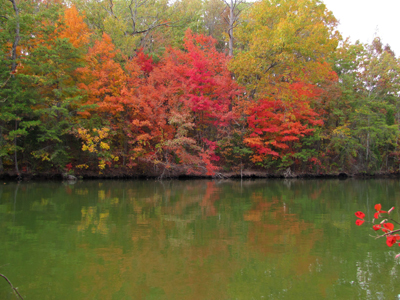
{"points": [[220, 175], [14, 289]]}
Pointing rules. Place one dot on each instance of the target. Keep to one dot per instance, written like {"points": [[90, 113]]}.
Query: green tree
{"points": [[16, 21], [365, 132]]}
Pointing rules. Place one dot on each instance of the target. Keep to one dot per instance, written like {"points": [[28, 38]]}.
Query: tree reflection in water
{"points": [[194, 240]]}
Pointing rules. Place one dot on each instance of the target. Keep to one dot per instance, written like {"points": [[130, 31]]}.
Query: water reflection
{"points": [[289, 239]]}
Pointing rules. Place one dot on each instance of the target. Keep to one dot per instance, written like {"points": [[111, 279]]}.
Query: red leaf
{"points": [[376, 227], [360, 214], [146, 62], [376, 215], [390, 240], [68, 166], [378, 207], [280, 124], [389, 226], [359, 222]]}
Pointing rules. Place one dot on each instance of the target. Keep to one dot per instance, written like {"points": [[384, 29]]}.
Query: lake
{"points": [[200, 239]]}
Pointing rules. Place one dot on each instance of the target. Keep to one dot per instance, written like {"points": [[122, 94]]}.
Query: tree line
{"points": [[192, 87]]}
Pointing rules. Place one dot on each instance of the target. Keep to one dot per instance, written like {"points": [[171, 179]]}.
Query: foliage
{"points": [[388, 228], [365, 131], [157, 77], [278, 126], [282, 41]]}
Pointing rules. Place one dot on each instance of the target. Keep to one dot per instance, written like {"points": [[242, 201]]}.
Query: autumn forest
{"points": [[192, 87]]}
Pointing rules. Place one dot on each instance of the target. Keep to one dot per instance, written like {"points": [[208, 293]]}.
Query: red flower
{"points": [[360, 214], [359, 222], [376, 227], [378, 207], [390, 240]]}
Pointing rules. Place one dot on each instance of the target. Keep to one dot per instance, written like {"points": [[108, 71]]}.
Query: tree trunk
{"points": [[14, 68], [15, 150], [16, 39], [366, 156], [1, 144], [125, 154], [231, 23]]}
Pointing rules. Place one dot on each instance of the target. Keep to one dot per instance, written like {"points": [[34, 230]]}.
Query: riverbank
{"points": [[245, 174]]}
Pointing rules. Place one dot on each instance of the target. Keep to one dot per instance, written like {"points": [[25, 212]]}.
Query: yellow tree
{"points": [[283, 40]]}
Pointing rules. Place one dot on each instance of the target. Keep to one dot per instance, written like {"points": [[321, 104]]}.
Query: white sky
{"points": [[364, 19]]}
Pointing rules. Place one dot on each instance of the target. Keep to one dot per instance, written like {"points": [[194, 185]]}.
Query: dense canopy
{"points": [[154, 87]]}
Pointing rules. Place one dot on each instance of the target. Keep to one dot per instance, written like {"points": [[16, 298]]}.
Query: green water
{"points": [[263, 239]]}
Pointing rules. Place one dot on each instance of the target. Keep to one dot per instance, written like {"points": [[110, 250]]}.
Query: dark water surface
{"points": [[263, 239]]}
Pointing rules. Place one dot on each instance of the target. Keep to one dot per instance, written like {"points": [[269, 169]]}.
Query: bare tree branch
{"points": [[14, 289], [234, 12], [5, 82], [152, 27]]}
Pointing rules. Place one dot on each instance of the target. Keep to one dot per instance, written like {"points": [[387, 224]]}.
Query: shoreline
{"points": [[246, 174]]}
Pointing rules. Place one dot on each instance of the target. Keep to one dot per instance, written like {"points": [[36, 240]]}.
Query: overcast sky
{"points": [[363, 19]]}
